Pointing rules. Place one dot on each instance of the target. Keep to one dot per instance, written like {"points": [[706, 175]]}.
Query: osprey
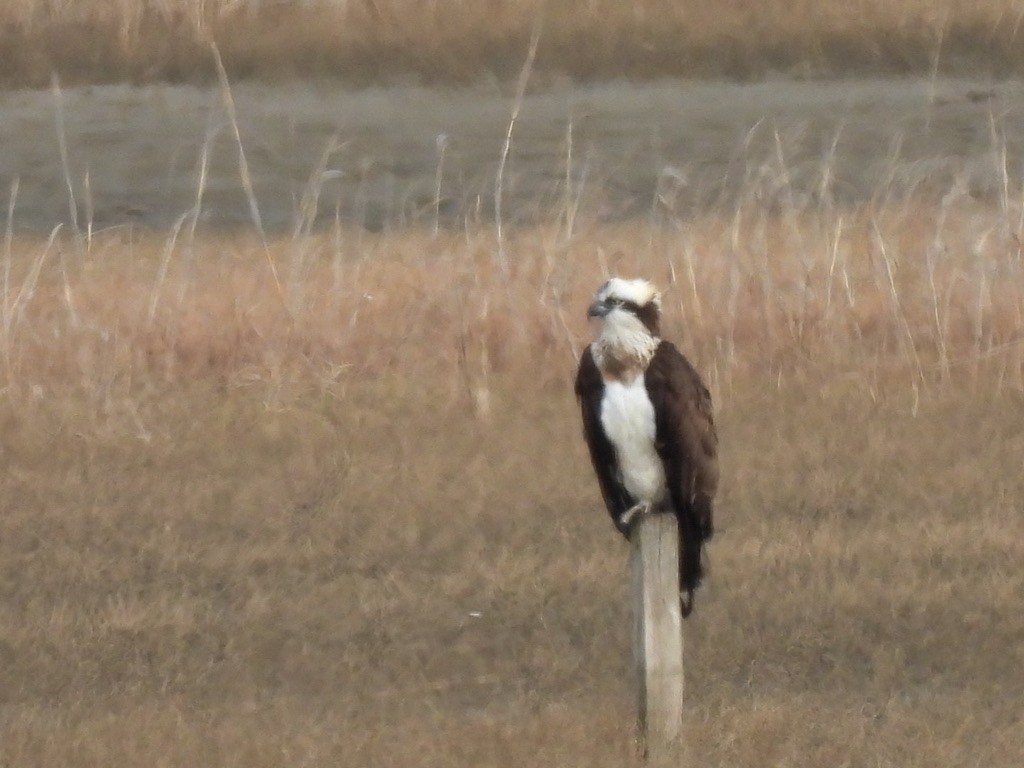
{"points": [[648, 423]]}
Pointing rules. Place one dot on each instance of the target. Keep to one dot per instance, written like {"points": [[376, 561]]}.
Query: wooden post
{"points": [[658, 635]]}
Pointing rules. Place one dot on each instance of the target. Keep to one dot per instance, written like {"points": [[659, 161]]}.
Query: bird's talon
{"points": [[626, 518]]}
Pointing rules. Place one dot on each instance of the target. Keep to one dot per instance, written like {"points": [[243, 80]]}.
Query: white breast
{"points": [[627, 416]]}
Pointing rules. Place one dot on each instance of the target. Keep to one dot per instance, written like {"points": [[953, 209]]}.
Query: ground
{"points": [[319, 496], [374, 580]]}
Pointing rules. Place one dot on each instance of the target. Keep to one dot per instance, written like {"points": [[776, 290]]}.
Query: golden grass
{"points": [[909, 292], [370, 40], [343, 516]]}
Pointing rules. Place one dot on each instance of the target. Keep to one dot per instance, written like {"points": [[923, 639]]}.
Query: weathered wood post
{"points": [[658, 636]]}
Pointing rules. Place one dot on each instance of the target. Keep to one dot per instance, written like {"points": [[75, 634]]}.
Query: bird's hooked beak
{"points": [[599, 309]]}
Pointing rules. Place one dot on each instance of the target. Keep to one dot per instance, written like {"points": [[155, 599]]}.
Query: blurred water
{"points": [[618, 149]]}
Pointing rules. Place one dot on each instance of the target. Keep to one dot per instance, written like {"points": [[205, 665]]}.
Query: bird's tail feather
{"points": [[691, 565]]}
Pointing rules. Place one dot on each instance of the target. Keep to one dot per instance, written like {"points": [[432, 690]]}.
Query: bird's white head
{"points": [[619, 298], [630, 313]]}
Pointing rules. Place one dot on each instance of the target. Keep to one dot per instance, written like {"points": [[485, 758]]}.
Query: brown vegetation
{"points": [[370, 40], [324, 502], [898, 292]]}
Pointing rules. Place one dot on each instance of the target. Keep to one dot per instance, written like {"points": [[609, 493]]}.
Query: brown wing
{"points": [[589, 391], [685, 433]]}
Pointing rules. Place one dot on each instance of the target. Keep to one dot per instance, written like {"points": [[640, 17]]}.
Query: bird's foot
{"points": [[627, 517]]}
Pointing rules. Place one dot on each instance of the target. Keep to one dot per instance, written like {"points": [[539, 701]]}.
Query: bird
{"points": [[649, 424]]}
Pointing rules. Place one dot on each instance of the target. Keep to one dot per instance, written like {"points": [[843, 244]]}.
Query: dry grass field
{"points": [[370, 40], [323, 500], [318, 497]]}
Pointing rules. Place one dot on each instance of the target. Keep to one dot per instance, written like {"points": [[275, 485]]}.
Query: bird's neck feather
{"points": [[625, 347]]}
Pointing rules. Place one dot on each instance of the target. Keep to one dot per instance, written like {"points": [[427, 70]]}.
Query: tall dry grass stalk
{"points": [[104, 40], [499, 180]]}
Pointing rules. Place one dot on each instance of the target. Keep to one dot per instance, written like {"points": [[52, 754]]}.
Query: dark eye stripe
{"points": [[648, 314]]}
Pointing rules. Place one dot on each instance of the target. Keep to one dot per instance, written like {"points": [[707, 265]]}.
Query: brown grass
{"points": [[370, 40], [373, 579], [911, 293], [346, 518]]}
